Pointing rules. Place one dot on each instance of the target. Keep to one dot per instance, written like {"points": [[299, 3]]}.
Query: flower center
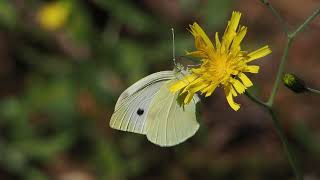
{"points": [[220, 69]]}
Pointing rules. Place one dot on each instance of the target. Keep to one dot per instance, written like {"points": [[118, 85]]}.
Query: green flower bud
{"points": [[294, 83]]}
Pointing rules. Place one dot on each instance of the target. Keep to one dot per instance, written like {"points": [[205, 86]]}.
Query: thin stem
{"points": [[255, 99], [269, 104], [305, 23], [279, 73], [313, 90], [286, 146], [283, 23], [280, 132], [284, 57]]}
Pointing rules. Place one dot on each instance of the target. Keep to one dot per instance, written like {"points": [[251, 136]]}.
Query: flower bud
{"points": [[294, 83]]}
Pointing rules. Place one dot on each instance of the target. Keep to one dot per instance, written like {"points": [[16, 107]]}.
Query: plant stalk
{"points": [[316, 91], [288, 150], [269, 104]]}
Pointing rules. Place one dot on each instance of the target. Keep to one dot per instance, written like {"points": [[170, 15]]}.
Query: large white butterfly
{"points": [[148, 107]]}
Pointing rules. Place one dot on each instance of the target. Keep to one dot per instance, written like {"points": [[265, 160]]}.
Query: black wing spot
{"points": [[140, 112]]}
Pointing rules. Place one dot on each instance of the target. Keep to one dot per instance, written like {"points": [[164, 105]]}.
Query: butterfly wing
{"points": [[169, 123], [132, 106], [143, 83]]}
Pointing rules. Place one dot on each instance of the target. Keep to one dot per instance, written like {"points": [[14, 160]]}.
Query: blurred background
{"points": [[64, 63]]}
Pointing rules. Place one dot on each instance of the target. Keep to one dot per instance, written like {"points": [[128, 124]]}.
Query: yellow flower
{"points": [[54, 15], [223, 64]]}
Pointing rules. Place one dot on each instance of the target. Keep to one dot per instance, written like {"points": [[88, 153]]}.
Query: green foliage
{"points": [[126, 12], [47, 117], [8, 17]]}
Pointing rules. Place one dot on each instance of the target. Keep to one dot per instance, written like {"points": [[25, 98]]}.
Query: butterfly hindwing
{"points": [[169, 123]]}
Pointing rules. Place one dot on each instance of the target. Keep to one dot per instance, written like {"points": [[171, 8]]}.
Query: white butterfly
{"points": [[148, 107]]}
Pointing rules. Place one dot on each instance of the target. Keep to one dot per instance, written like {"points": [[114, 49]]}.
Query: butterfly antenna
{"points": [[173, 49]]}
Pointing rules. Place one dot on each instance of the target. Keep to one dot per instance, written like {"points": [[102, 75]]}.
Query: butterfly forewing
{"points": [[143, 83], [133, 104]]}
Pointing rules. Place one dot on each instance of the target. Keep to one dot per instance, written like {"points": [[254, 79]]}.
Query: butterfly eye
{"points": [[140, 112]]}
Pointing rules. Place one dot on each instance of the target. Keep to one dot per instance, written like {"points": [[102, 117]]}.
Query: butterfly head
{"points": [[178, 67]]}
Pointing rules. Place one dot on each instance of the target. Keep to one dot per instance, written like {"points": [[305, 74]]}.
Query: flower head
{"points": [[54, 15], [223, 64]]}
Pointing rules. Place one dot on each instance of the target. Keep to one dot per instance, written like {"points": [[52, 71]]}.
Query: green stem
{"points": [[305, 23], [313, 90], [277, 15], [270, 102], [284, 57], [280, 132], [280, 72], [286, 146], [255, 99]]}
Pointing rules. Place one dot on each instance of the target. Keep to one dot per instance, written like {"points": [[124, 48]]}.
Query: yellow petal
{"points": [[234, 21], [195, 87], [235, 47], [197, 70], [198, 87], [197, 29], [229, 97], [234, 92], [199, 43], [183, 83], [199, 54], [240, 88], [188, 98], [190, 78], [245, 80], [180, 84], [259, 53], [177, 86], [210, 89], [230, 31], [252, 69], [218, 44], [192, 84]]}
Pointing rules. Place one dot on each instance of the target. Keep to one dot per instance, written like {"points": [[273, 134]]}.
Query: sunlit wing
{"points": [[168, 123], [132, 106]]}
